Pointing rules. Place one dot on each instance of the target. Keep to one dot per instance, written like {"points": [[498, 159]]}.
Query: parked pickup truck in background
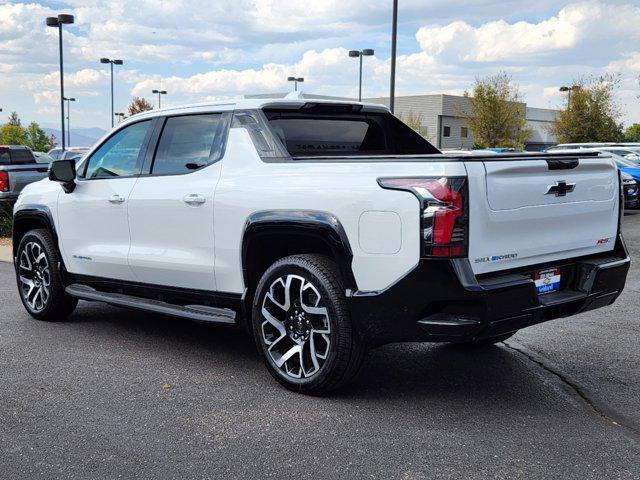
{"points": [[322, 228], [18, 167]]}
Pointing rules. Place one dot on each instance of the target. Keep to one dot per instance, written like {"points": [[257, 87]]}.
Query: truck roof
{"points": [[249, 103]]}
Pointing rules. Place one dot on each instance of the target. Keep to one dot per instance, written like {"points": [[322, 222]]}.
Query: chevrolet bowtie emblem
{"points": [[560, 189]]}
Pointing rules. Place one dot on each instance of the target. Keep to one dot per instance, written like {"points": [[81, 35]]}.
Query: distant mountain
{"points": [[80, 137]]}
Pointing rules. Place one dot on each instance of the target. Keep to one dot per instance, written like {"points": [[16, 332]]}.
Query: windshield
{"points": [[56, 153], [624, 153]]}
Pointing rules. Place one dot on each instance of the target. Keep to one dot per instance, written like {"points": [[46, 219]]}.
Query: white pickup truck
{"points": [[323, 228]]}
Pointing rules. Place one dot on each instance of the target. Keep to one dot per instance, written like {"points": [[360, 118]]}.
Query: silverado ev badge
{"points": [[560, 189], [496, 258]]}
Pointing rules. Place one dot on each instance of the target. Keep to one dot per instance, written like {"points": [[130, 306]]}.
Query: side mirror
{"points": [[63, 172]]}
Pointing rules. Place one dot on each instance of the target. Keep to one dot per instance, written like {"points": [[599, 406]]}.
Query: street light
{"points": [[120, 116], [394, 38], [568, 90], [367, 52], [112, 63], [69, 121], [159, 92], [57, 22], [295, 81]]}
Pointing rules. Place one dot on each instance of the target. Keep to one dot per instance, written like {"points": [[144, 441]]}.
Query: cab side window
{"points": [[188, 143], [120, 155]]}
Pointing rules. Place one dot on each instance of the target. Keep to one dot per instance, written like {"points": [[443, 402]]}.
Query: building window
{"points": [[447, 132], [464, 132]]}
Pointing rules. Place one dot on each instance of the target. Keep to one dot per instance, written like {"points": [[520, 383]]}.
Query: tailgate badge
{"points": [[560, 189]]}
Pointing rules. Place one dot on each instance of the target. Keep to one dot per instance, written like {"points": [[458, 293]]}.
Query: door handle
{"points": [[116, 199], [194, 199]]}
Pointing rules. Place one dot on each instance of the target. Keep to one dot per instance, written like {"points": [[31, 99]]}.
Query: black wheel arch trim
{"points": [[42, 213], [321, 225]]}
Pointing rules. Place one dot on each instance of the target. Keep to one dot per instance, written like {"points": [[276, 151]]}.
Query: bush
{"points": [[6, 221]]}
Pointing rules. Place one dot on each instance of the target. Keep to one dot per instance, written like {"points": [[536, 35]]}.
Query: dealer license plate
{"points": [[547, 281]]}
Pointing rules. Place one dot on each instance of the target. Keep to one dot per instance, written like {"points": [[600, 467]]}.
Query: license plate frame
{"points": [[548, 280]]}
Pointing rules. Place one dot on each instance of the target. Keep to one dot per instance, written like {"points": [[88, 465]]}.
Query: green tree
{"points": [[632, 134], [496, 115], [14, 119], [139, 105], [37, 138], [415, 121], [12, 135], [592, 115], [5, 222]]}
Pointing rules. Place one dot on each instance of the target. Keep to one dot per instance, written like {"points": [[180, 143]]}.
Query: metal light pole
{"points": [[359, 54], [120, 116], [295, 81], [112, 63], [394, 37], [57, 22], [68, 119], [569, 90], [159, 92]]}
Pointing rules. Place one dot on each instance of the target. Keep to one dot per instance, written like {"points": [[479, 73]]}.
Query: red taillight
{"points": [[4, 182], [443, 213]]}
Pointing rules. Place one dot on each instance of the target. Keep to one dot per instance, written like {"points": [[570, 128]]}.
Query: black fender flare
{"points": [[320, 225], [41, 213]]}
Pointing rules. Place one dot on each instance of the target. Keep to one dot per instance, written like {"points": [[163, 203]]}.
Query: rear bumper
{"points": [[443, 301]]}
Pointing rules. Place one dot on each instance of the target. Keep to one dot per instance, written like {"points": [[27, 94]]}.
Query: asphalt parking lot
{"points": [[119, 394]]}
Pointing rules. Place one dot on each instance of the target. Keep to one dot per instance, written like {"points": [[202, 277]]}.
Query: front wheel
{"points": [[39, 280], [302, 326]]}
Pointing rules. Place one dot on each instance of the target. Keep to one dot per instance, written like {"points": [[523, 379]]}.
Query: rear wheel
{"points": [[39, 280], [302, 326]]}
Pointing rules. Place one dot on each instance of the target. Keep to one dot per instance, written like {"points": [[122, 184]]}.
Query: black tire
{"points": [[58, 305], [344, 353], [486, 342]]}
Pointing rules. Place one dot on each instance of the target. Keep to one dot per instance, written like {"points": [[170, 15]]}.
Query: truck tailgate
{"points": [[532, 211], [22, 175]]}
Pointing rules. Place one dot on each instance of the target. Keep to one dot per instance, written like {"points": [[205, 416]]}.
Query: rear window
{"points": [[21, 156], [338, 131]]}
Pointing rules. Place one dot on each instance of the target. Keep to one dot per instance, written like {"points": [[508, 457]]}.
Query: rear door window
{"points": [[188, 143]]}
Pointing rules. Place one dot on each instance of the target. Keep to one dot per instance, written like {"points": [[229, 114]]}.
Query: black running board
{"points": [[200, 313]]}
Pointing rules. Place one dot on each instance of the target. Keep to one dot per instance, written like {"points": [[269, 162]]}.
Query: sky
{"points": [[200, 50]]}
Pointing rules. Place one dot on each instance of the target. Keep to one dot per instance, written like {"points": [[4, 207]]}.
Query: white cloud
{"points": [[204, 49], [575, 26]]}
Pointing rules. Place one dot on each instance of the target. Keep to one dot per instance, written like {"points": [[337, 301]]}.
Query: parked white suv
{"points": [[323, 228]]}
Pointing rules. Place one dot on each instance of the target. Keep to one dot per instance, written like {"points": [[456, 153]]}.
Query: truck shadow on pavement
{"points": [[426, 372]]}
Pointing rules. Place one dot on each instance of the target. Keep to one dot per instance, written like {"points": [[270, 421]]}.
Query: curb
{"points": [[6, 254]]}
